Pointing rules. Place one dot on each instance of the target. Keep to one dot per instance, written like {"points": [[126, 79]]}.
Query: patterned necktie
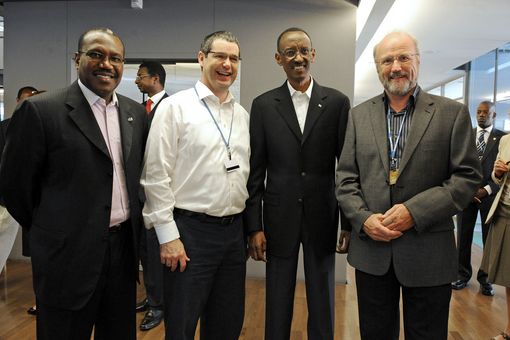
{"points": [[480, 143], [148, 105]]}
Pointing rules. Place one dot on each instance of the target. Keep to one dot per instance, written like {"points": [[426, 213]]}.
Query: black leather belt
{"points": [[207, 218], [115, 228]]}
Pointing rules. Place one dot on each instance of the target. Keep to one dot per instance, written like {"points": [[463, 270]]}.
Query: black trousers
{"points": [[465, 226], [425, 309], [320, 292], [152, 268], [111, 309], [212, 287]]}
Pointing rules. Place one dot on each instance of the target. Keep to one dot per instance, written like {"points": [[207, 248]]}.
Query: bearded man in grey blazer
{"points": [[407, 166]]}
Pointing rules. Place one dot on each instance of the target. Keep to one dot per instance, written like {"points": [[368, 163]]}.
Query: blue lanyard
{"points": [[225, 141], [393, 146]]}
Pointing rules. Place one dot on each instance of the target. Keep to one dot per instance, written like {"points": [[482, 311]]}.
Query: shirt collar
{"points": [[157, 97], [92, 98], [308, 91], [412, 99], [487, 129], [204, 92]]}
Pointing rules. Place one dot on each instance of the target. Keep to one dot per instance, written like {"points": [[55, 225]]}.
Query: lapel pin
{"points": [[320, 105], [130, 119]]}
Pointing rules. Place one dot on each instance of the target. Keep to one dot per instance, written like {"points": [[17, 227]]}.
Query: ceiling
{"points": [[449, 32]]}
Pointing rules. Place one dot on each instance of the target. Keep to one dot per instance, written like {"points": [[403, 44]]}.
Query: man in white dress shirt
{"points": [[195, 174]]}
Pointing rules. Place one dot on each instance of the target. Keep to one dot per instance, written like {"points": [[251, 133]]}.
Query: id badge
{"points": [[231, 165], [393, 176]]}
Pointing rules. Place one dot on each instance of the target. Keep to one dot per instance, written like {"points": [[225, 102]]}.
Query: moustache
{"points": [[394, 75]]}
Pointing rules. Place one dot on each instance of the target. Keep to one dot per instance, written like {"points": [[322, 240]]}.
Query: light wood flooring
{"points": [[472, 315]]}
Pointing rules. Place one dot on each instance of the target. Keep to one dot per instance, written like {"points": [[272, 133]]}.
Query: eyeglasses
{"points": [[292, 53], [402, 59], [141, 76], [222, 57], [99, 57]]}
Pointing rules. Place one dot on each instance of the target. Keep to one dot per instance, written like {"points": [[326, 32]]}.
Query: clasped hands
{"points": [[390, 225]]}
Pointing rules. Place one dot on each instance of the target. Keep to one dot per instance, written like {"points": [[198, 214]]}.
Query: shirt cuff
{"points": [[167, 232], [488, 189]]}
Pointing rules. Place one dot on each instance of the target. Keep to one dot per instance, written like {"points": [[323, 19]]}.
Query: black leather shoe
{"points": [[151, 319], [142, 305], [459, 284], [486, 289], [32, 310]]}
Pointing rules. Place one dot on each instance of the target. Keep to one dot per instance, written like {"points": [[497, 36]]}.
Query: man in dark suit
{"points": [[408, 165], [487, 142], [70, 173], [150, 79], [296, 135]]}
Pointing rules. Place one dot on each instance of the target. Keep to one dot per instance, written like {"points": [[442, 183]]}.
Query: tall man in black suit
{"points": [[70, 173], [487, 142], [150, 79], [297, 133]]}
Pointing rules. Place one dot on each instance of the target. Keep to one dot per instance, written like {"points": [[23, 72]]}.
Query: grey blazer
{"points": [[439, 173]]}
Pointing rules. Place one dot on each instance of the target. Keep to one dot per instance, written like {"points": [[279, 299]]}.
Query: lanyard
{"points": [[225, 141], [394, 145]]}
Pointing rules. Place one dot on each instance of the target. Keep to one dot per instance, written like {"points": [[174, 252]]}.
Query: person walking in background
{"points": [[487, 142], [496, 253], [150, 80]]}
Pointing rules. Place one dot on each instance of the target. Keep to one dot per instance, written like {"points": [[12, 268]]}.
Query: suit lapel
{"points": [[378, 121], [126, 120], [422, 115], [82, 115], [315, 108], [491, 142], [285, 108]]}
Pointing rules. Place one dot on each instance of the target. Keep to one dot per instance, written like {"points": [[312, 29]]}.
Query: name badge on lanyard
{"points": [[394, 171], [230, 164]]}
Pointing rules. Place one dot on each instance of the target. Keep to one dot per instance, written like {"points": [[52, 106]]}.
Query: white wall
{"points": [[41, 37]]}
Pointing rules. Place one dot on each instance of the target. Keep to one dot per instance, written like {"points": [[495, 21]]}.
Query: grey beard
{"points": [[397, 90]]}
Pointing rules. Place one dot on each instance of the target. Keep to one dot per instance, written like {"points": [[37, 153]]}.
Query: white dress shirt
{"points": [[301, 100], [156, 98], [185, 158]]}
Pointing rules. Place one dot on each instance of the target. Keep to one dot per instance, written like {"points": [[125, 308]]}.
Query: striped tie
{"points": [[480, 143]]}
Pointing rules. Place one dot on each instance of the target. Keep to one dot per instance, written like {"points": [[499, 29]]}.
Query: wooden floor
{"points": [[472, 315]]}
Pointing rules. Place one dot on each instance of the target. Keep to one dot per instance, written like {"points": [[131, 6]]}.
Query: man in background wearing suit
{"points": [[296, 135], [150, 79], [487, 142], [408, 165], [70, 173]]}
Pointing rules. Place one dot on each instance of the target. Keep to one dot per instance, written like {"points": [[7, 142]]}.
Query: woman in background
{"points": [[496, 255]]}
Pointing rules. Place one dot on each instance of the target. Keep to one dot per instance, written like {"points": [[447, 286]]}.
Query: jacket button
{"points": [[300, 200], [303, 174]]}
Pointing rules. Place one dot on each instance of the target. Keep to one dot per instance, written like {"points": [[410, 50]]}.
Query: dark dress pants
{"points": [[466, 221], [425, 309], [111, 309], [320, 292], [212, 287], [152, 268]]}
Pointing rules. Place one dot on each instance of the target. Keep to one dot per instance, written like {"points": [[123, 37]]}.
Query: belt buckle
{"points": [[227, 220]]}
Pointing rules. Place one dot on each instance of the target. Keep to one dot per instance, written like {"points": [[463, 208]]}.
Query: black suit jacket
{"points": [[489, 157], [56, 178], [300, 169], [153, 111]]}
